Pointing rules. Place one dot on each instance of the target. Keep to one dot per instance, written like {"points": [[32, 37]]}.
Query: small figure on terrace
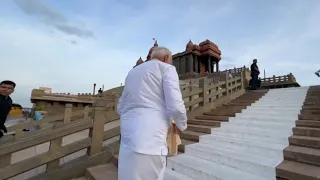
{"points": [[100, 92], [254, 74], [151, 98]]}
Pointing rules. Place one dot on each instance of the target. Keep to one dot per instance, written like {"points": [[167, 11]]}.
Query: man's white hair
{"points": [[160, 52]]}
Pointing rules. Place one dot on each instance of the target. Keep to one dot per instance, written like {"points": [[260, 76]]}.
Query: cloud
{"points": [[52, 17], [73, 42]]}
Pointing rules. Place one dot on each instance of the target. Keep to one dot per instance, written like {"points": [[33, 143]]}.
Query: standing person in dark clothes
{"points": [[254, 74], [6, 89]]}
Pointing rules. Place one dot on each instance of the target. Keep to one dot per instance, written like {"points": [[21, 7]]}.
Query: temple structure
{"points": [[200, 58]]}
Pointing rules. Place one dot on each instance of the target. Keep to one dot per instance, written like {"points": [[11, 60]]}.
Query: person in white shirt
{"points": [[150, 100]]}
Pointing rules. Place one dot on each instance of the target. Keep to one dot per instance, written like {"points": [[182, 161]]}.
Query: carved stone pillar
{"points": [[217, 66], [190, 61], [196, 64], [209, 65]]}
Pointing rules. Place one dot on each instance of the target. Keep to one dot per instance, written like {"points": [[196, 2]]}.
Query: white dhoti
{"points": [[136, 166]]}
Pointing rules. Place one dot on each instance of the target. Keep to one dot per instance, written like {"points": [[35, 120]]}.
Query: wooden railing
{"points": [[83, 136], [45, 146], [279, 79], [234, 72]]}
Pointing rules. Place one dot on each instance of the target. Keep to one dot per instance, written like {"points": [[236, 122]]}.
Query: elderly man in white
{"points": [[150, 100]]}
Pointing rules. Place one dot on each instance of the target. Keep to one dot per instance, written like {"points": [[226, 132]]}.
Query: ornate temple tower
{"points": [[200, 58], [139, 61]]}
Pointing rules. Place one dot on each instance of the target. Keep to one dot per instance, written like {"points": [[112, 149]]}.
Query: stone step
{"points": [[239, 104], [271, 108], [310, 108], [306, 131], [241, 160], [309, 117], [221, 113], [199, 128], [102, 171], [190, 135], [306, 123], [281, 101], [204, 122], [213, 117], [275, 105], [312, 142], [257, 130], [257, 147], [256, 135], [233, 126], [200, 169], [259, 123], [302, 154], [277, 112], [262, 118], [173, 175], [297, 171], [184, 143], [233, 106], [308, 112]]}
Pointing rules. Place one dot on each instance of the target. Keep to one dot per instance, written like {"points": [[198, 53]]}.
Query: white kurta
{"points": [[150, 100]]}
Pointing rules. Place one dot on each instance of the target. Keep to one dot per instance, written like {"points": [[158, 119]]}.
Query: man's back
{"points": [[143, 107]]}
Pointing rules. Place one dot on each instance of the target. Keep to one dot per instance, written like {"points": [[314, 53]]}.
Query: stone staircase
{"points": [[244, 139], [302, 156], [250, 146], [202, 124]]}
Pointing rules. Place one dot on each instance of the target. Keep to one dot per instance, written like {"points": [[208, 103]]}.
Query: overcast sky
{"points": [[69, 45]]}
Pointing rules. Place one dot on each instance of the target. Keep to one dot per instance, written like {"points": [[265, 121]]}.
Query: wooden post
{"points": [[203, 85], [243, 79], [116, 100], [97, 131], [274, 79], [67, 113], [56, 144], [86, 112], [190, 97], [227, 84]]}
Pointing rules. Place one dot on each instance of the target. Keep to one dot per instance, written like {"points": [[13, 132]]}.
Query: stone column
{"points": [[217, 66], [209, 65], [190, 59], [196, 64]]}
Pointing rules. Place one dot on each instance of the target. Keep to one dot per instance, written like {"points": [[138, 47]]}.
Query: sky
{"points": [[70, 45]]}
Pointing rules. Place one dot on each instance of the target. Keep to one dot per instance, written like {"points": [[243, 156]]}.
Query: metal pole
{"points": [[94, 88]]}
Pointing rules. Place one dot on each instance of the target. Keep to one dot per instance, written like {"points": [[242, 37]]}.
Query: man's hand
{"points": [[3, 127], [176, 129]]}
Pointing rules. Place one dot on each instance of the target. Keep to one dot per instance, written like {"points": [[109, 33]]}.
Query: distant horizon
{"points": [[97, 87]]}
